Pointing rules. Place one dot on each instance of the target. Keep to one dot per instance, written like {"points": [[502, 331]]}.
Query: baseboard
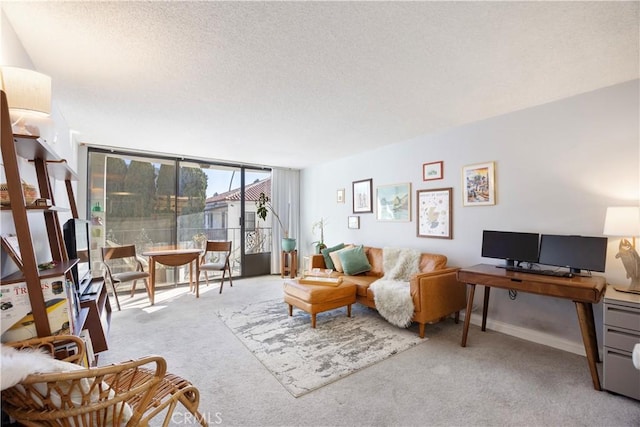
{"points": [[529, 335]]}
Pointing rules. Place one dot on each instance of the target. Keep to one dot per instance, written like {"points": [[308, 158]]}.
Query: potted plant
{"points": [[263, 205], [319, 244]]}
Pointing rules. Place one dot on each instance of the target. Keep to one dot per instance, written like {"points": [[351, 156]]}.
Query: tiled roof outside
{"points": [[252, 192]]}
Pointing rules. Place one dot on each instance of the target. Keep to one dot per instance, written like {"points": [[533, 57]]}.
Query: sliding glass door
{"points": [[158, 203]]}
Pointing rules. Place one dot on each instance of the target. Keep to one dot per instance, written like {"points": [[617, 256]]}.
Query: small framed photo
{"points": [[393, 202], [432, 171], [354, 222], [11, 246], [434, 209], [340, 196], [363, 196], [478, 183]]}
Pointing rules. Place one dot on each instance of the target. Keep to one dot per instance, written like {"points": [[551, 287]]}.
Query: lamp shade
{"points": [[622, 221], [27, 90]]}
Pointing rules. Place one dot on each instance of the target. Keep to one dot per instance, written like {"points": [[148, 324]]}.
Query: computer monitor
{"points": [[514, 247], [76, 240], [574, 252]]}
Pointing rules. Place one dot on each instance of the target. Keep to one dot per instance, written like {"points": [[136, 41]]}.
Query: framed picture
{"points": [[340, 196], [11, 246], [363, 196], [432, 171], [354, 222], [478, 183], [393, 202], [435, 213]]}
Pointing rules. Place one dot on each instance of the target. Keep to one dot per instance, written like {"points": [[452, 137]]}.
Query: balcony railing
{"points": [[256, 241]]}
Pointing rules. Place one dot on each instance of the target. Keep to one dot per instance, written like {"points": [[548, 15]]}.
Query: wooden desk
{"points": [[583, 291], [172, 258]]}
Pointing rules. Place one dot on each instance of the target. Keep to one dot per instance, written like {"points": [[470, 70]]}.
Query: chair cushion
{"points": [[211, 266], [128, 276]]}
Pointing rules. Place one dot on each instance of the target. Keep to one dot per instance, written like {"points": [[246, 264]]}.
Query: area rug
{"points": [[303, 359]]}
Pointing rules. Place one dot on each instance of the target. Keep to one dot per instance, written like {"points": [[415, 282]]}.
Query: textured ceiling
{"points": [[292, 84]]}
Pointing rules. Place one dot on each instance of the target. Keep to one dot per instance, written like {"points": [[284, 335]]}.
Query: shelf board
{"points": [[32, 208], [59, 270], [60, 169], [30, 147], [80, 321]]}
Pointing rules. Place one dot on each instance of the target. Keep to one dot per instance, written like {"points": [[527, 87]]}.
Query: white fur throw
{"points": [[400, 264], [393, 301], [18, 364], [391, 293]]}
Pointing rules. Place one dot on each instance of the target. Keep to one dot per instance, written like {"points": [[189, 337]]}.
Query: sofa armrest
{"points": [[437, 294], [316, 261]]}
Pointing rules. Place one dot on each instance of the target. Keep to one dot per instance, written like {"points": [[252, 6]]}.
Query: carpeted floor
{"points": [[303, 358], [495, 380]]}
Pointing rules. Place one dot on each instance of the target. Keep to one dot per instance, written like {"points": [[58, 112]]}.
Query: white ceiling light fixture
{"points": [[29, 98], [624, 221]]}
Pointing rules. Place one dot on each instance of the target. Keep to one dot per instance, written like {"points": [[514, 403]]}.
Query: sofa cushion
{"points": [[354, 261], [374, 255], [362, 283], [328, 262]]}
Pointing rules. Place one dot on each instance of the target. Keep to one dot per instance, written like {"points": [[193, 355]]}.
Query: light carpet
{"points": [[303, 359]]}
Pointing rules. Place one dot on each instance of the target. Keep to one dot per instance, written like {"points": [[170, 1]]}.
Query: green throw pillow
{"points": [[354, 261], [328, 263]]}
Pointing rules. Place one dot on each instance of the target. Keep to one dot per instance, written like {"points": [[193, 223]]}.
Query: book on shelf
{"points": [[16, 317]]}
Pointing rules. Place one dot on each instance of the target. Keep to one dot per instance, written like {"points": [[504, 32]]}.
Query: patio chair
{"points": [[127, 254], [215, 258]]}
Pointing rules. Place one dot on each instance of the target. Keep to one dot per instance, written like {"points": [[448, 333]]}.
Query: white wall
{"points": [[558, 166], [56, 134]]}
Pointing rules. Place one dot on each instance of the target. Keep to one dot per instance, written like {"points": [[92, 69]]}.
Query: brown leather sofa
{"points": [[435, 290]]}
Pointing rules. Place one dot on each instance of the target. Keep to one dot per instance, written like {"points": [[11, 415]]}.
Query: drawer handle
{"points": [[621, 310], [617, 353], [619, 332]]}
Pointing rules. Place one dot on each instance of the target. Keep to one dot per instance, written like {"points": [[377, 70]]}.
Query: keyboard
{"points": [[540, 272]]}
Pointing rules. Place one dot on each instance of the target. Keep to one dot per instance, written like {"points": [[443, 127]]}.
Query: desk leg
{"points": [[152, 271], [485, 307], [467, 314], [592, 328], [587, 327]]}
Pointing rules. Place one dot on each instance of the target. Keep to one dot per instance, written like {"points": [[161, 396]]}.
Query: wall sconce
{"points": [[625, 222], [29, 98]]}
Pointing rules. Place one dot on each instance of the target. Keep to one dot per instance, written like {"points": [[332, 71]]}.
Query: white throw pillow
{"points": [[335, 257]]}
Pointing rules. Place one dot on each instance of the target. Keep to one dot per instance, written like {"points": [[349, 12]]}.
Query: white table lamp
{"points": [[625, 222], [29, 98]]}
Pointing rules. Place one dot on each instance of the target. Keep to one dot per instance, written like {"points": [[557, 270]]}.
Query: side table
{"points": [[289, 263]]}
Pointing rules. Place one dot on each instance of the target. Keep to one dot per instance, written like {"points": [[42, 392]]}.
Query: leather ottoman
{"points": [[318, 298]]}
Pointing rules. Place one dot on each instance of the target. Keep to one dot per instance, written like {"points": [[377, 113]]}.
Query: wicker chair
{"points": [[100, 396]]}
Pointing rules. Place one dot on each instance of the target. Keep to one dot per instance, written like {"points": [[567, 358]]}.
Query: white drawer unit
{"points": [[621, 334]]}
